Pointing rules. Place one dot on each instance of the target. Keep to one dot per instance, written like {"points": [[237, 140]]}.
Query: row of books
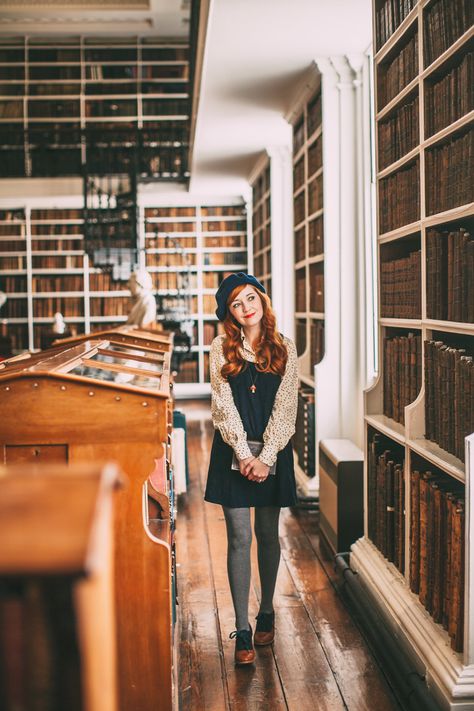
{"points": [[103, 306], [102, 281], [449, 391], [300, 244], [316, 236], [303, 440], [211, 280], [386, 497], [170, 259], [15, 308], [188, 372], [224, 226], [209, 332], [449, 171], [261, 213], [399, 198], [167, 228], [49, 245], [299, 135], [315, 156], [398, 72], [449, 272], [261, 185], [299, 208], [58, 262], [316, 287], [451, 97], [158, 212], [444, 22], [71, 282], [176, 243], [437, 528], [72, 306], [261, 239], [13, 284], [300, 290], [217, 258], [399, 134], [262, 264], [298, 174], [316, 339], [401, 374], [389, 16], [315, 195], [18, 262], [54, 214], [18, 338], [400, 292], [300, 336], [314, 113]]}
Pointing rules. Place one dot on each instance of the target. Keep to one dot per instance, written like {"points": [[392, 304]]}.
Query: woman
{"points": [[254, 386]]}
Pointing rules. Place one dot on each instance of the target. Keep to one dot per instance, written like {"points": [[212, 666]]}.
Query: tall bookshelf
{"points": [[59, 96], [43, 268], [308, 217], [415, 556], [262, 227], [309, 235]]}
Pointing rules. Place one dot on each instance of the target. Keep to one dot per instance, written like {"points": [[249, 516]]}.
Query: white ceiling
{"points": [[161, 18], [257, 52]]}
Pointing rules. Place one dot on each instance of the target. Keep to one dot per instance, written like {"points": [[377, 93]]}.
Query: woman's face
{"points": [[247, 307]]}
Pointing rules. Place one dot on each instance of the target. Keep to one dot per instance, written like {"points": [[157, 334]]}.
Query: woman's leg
{"points": [[239, 539], [268, 548]]}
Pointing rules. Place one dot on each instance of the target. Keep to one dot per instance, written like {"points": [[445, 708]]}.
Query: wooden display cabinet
{"points": [[99, 401], [148, 338], [57, 623]]}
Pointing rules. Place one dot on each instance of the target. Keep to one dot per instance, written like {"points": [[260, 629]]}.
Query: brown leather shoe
{"points": [[244, 651], [265, 630]]}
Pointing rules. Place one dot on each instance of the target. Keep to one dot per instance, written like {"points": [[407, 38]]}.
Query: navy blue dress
{"points": [[227, 486]]}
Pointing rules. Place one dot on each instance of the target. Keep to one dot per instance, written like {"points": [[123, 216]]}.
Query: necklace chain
{"points": [[253, 387]]}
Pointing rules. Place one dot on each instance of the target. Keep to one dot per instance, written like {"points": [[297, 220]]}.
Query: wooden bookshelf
{"points": [[51, 271], [308, 256], [418, 425], [262, 227], [309, 232], [215, 240], [117, 92]]}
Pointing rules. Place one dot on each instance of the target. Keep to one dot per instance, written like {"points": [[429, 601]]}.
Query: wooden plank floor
{"points": [[319, 659]]}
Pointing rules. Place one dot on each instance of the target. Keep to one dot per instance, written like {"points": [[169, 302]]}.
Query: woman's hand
{"points": [[256, 470], [243, 463]]}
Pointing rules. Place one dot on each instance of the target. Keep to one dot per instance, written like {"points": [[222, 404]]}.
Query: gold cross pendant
{"points": [[253, 388]]}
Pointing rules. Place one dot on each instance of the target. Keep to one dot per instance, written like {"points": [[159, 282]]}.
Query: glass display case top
{"points": [[117, 377]]}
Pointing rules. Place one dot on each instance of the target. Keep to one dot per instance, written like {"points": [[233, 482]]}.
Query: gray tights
{"points": [[239, 539]]}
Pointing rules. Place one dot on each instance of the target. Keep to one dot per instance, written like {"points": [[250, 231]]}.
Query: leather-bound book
{"points": [[456, 621], [424, 543], [450, 504], [372, 487], [399, 518], [389, 511], [436, 496], [429, 403], [415, 531], [381, 507]]}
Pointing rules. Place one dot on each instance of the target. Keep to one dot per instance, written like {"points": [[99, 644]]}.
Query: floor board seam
{"points": [[212, 581]]}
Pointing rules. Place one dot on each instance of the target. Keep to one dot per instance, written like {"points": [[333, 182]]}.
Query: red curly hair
{"points": [[270, 352]]}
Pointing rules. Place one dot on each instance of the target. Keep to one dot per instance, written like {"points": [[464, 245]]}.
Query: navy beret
{"points": [[228, 285]]}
